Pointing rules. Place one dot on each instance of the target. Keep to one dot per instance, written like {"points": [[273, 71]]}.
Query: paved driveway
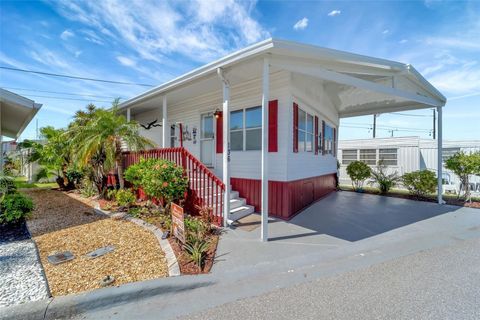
{"points": [[339, 220]]}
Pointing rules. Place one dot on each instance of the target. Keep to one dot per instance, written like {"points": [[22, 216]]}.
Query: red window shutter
{"points": [[273, 126], [323, 137], [295, 127], [219, 129], [316, 135]]}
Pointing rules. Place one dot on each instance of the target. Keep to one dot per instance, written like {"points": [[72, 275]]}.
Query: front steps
{"points": [[238, 206]]}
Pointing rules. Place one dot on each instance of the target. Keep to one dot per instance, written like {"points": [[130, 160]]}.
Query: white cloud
{"points": [[385, 31], [334, 13], [126, 61], [65, 35], [301, 24], [403, 41], [201, 30], [91, 36], [77, 53]]}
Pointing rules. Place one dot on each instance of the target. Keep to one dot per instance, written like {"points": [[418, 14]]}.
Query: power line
{"points": [[393, 128], [411, 115], [59, 92], [387, 127], [75, 77], [60, 98]]}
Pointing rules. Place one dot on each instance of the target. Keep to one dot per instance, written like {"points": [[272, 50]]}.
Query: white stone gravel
{"points": [[21, 276]]}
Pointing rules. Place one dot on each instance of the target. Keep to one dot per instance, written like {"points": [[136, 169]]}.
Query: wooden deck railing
{"points": [[205, 189]]}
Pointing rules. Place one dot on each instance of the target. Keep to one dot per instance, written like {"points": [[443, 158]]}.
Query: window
{"points": [[173, 136], [246, 129], [389, 156], [328, 140], [369, 156], [447, 153], [305, 131], [349, 155]]}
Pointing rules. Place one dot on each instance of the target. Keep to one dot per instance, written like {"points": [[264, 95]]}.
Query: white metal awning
{"points": [[16, 112]]}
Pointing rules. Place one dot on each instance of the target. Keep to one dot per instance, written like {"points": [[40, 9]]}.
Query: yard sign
{"points": [[177, 222]]}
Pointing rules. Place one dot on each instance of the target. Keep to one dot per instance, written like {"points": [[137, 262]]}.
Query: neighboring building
{"points": [[307, 90], [404, 155], [16, 112]]}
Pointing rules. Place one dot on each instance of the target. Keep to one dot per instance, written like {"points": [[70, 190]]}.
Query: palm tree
{"points": [[99, 135]]}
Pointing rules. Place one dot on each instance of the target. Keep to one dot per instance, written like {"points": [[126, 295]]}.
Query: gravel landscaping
{"points": [[61, 223], [22, 278]]}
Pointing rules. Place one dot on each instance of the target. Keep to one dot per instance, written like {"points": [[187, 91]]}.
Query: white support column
{"points": [[226, 146], [439, 157], [265, 99], [128, 115], [165, 131]]}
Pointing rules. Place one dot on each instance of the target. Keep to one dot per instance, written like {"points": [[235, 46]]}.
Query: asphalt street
{"points": [[441, 283]]}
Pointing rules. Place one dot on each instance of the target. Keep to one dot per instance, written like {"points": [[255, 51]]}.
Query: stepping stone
{"points": [[100, 252], [60, 257]]}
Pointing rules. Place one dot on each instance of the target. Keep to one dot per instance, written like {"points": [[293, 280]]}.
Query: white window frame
{"points": [[330, 143], [306, 132], [388, 153], [244, 129], [349, 160]]}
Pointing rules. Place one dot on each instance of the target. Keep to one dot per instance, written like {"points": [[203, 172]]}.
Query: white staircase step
{"points": [[240, 212], [235, 203]]}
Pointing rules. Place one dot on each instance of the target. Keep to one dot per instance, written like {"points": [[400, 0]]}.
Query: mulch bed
{"points": [[450, 201], [60, 223], [186, 265]]}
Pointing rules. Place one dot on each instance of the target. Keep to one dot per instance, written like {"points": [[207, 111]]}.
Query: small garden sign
{"points": [[178, 222]]}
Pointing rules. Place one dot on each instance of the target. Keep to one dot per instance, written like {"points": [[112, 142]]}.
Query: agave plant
{"points": [[197, 250]]}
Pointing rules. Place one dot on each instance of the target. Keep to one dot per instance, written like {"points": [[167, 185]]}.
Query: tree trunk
{"points": [[119, 163]]}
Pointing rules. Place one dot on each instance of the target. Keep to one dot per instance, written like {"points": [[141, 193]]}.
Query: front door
{"points": [[207, 139]]}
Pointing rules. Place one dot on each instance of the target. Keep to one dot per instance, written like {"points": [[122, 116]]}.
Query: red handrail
{"points": [[205, 189]]}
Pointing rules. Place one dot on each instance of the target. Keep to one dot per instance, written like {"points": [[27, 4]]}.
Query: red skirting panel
{"points": [[286, 198]]}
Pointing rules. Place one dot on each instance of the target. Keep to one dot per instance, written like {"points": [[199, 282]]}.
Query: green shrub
{"points": [[358, 171], [15, 207], [384, 180], [464, 165], [7, 186], [420, 183], [125, 198], [88, 189], [159, 179]]}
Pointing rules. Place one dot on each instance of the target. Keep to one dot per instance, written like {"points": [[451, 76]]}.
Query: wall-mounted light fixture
{"points": [[217, 113]]}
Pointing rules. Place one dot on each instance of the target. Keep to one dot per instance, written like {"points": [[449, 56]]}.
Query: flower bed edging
{"points": [[172, 263]]}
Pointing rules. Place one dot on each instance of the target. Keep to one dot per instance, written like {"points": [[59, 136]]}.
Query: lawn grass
{"points": [[21, 183]]}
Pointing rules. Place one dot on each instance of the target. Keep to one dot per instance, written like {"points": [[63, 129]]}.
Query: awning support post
{"points": [[164, 122], [265, 99], [439, 157], [128, 115], [226, 145]]}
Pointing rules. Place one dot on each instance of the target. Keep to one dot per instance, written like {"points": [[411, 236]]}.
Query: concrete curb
{"points": [[172, 263]]}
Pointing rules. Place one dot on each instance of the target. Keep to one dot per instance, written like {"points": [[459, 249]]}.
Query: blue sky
{"points": [[153, 41]]}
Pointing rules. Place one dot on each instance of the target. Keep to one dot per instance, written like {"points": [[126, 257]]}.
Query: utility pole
{"points": [[374, 126], [434, 123]]}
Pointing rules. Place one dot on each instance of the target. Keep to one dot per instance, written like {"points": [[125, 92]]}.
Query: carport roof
{"points": [[364, 84], [16, 113]]}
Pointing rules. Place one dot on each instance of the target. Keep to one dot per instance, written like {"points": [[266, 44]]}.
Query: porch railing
{"points": [[205, 189]]}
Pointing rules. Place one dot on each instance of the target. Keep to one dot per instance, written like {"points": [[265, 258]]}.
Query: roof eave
{"points": [[230, 59]]}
